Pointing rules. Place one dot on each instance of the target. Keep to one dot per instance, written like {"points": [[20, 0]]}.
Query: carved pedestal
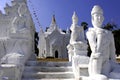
{"points": [[80, 59], [10, 72]]}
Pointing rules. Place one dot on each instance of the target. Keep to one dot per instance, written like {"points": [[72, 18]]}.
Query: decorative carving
{"points": [[16, 37]]}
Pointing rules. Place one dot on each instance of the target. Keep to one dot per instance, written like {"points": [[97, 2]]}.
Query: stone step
{"points": [[87, 78], [48, 75], [49, 64], [47, 69], [50, 79]]}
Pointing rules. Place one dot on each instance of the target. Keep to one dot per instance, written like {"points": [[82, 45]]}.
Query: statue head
{"points": [[97, 16], [74, 18]]}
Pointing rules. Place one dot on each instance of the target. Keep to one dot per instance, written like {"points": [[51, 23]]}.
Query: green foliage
{"points": [[116, 32], [110, 26], [36, 43], [85, 25], [89, 50], [64, 31], [117, 40], [46, 29]]}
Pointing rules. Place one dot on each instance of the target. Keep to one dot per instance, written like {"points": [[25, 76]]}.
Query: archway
{"points": [[56, 54]]}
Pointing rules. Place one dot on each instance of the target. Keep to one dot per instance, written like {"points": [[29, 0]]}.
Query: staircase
{"points": [[46, 70]]}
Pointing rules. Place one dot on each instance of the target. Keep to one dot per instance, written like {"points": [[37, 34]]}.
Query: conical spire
{"points": [[53, 25], [74, 18], [53, 19]]}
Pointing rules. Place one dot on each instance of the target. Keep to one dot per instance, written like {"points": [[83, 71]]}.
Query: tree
{"points": [[85, 25], [110, 26], [117, 40], [64, 31], [46, 29], [116, 31], [36, 43]]}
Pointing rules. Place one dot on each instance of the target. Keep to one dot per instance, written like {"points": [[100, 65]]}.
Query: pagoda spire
{"points": [[53, 19], [53, 25], [75, 18]]}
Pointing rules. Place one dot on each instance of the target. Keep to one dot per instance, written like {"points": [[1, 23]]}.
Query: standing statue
{"points": [[77, 31], [77, 44], [103, 59], [77, 48]]}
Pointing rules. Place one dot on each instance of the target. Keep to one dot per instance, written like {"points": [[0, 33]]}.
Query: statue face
{"points": [[97, 20]]}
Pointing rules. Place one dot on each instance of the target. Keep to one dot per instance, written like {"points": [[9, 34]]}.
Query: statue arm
{"points": [[95, 45], [99, 43], [92, 40]]}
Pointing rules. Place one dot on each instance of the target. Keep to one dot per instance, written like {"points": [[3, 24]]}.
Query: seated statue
{"points": [[20, 25], [103, 58]]}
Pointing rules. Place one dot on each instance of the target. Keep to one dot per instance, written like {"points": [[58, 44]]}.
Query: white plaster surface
{"points": [[16, 39], [103, 58]]}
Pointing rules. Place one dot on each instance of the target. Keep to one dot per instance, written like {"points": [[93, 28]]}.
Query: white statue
{"points": [[77, 39], [77, 31], [77, 48], [103, 58]]}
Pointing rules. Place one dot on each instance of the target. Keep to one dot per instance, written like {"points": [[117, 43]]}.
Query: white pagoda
{"points": [[53, 42]]}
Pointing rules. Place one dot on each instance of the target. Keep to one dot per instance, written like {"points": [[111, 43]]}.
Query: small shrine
{"points": [[53, 43]]}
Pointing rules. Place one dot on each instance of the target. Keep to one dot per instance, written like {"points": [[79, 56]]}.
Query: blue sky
{"points": [[63, 10]]}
